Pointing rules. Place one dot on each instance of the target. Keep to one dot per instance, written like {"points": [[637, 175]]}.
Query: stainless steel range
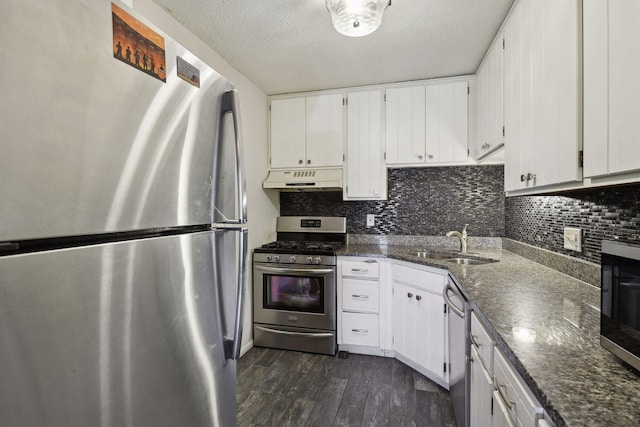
{"points": [[294, 285]]}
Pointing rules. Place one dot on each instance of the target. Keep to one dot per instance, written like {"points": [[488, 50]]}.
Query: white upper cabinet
{"points": [[366, 173], [611, 102], [542, 109], [489, 120], [288, 133], [325, 130], [447, 122], [405, 125], [427, 124], [307, 132]]}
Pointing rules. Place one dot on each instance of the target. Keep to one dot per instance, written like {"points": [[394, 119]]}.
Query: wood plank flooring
{"points": [[287, 388]]}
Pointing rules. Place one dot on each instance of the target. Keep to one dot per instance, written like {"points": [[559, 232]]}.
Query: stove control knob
{"points": [[268, 257], [317, 260], [276, 258], [292, 259], [309, 260]]}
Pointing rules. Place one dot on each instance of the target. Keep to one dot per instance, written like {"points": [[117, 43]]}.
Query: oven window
{"points": [[620, 316], [294, 293]]}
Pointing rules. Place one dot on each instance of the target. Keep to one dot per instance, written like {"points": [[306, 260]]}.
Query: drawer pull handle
{"points": [[360, 331], [409, 295], [360, 270], [503, 394], [418, 297], [361, 296], [474, 342]]}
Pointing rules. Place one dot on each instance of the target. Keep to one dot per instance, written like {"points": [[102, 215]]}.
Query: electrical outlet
{"points": [[573, 239], [371, 220]]}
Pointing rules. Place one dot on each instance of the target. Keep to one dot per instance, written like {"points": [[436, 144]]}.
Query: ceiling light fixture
{"points": [[356, 18]]}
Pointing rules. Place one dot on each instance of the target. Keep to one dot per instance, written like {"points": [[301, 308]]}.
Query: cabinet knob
{"points": [[430, 156], [409, 295], [418, 297], [299, 162], [523, 178], [420, 156], [309, 161]]}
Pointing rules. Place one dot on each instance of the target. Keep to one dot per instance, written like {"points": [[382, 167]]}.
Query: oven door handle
{"points": [[308, 271], [300, 334]]}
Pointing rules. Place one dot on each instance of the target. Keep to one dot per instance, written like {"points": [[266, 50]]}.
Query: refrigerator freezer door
{"points": [[112, 335], [91, 144], [230, 202]]}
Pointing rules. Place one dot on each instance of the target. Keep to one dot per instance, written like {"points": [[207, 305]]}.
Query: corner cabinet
{"points": [[542, 88], [419, 320], [611, 102], [307, 132], [366, 172], [489, 120]]}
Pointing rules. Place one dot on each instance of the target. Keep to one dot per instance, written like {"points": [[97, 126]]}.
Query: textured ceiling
{"points": [[289, 46]]}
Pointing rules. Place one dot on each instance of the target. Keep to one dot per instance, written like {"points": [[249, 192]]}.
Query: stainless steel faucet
{"points": [[462, 236]]}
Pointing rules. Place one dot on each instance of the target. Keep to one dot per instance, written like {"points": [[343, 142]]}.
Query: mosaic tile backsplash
{"points": [[422, 201], [602, 213]]}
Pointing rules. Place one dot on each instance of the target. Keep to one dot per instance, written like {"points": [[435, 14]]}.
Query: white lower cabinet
{"points": [[360, 329], [513, 396], [359, 305], [481, 392], [481, 373], [419, 320]]}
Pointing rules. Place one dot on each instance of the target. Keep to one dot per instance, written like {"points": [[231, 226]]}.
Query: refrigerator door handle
{"points": [[230, 105], [233, 344]]}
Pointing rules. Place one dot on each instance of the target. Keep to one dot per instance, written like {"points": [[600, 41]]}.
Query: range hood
{"points": [[304, 179]]}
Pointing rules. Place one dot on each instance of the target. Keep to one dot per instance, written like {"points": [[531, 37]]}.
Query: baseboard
{"points": [[248, 346]]}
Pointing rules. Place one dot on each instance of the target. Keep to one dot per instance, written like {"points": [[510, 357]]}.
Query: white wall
{"points": [[262, 208]]}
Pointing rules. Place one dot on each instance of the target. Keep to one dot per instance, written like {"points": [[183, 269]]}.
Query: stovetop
{"points": [[301, 247]]}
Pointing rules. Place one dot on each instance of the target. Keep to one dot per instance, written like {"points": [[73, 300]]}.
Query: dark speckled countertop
{"points": [[577, 382]]}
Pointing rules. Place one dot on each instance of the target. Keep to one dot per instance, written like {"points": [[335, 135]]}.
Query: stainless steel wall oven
{"points": [[620, 303], [294, 285]]}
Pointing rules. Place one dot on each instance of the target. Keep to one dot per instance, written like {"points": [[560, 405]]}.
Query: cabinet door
{"points": [[288, 131], [405, 125], [518, 113], [325, 130], [488, 135], [542, 93], [366, 171], [430, 331], [446, 116], [596, 87], [624, 96], [419, 327], [481, 392]]}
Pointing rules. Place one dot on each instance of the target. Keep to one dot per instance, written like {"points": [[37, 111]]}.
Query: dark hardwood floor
{"points": [[287, 388]]}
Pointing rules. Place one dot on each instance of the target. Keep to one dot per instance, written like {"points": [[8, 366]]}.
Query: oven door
{"points": [[295, 295], [620, 314]]}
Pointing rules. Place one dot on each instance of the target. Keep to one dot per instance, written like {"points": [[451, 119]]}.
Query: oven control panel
{"points": [[294, 259]]}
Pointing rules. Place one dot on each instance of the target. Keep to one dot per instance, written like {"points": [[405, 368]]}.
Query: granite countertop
{"points": [[577, 381]]}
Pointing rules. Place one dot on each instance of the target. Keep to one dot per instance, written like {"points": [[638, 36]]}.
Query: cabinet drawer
{"points": [[523, 406], [483, 342], [368, 269], [360, 329], [426, 280], [360, 295]]}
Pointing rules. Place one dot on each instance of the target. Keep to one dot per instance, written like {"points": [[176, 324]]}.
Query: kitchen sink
{"points": [[451, 257], [432, 255], [470, 261]]}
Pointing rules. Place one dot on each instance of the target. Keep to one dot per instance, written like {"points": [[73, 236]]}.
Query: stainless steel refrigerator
{"points": [[122, 211]]}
